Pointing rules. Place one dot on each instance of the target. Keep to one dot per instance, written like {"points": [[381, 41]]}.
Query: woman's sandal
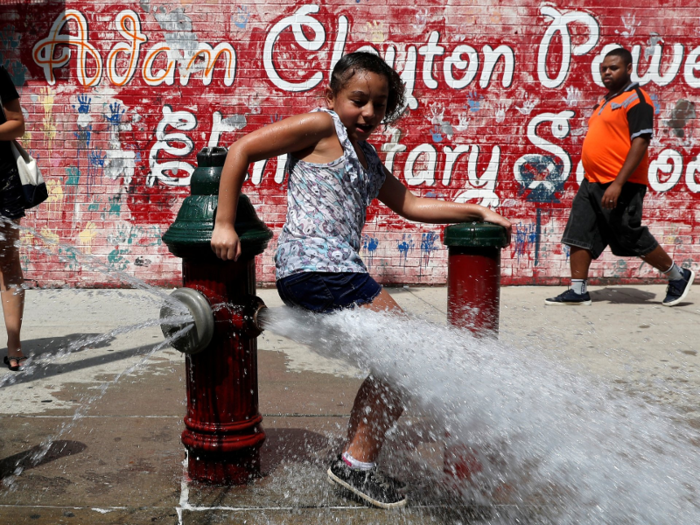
{"points": [[19, 360]]}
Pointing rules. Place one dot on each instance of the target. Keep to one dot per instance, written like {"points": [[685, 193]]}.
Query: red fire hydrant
{"points": [[473, 302], [223, 431], [474, 275]]}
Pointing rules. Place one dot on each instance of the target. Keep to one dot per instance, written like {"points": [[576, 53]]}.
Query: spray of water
{"points": [[85, 403], [71, 255], [588, 452], [33, 365]]}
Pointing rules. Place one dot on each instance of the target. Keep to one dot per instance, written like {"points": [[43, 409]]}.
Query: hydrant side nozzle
{"points": [[244, 317], [202, 332], [259, 317]]}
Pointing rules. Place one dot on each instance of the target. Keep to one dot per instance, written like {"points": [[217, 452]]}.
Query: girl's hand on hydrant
{"points": [[495, 218], [225, 243]]}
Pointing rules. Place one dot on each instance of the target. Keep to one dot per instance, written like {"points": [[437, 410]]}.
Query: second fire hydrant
{"points": [[474, 275], [223, 431], [473, 302]]}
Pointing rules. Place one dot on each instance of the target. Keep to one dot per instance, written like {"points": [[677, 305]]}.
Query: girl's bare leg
{"points": [[377, 405], [11, 290]]}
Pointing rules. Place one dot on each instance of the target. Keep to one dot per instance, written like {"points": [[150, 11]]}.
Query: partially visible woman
{"points": [[11, 211]]}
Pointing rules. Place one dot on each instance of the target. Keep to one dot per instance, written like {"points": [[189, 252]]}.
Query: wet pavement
{"points": [[107, 415]]}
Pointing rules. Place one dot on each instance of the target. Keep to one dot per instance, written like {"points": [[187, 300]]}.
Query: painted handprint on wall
{"points": [[528, 104], [463, 119], [437, 112], [439, 125], [404, 246], [421, 20], [240, 19], [116, 112], [84, 104], [573, 96], [376, 32], [254, 104], [501, 108], [83, 109], [654, 40], [630, 24], [474, 101]]}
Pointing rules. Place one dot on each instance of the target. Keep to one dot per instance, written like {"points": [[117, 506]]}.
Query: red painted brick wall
{"points": [[119, 98]]}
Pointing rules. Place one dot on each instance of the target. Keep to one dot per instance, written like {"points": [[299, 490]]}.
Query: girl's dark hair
{"points": [[353, 63]]}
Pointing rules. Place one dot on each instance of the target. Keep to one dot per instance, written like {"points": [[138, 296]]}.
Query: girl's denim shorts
{"points": [[325, 292]]}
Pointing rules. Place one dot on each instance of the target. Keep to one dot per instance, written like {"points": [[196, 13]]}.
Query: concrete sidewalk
{"points": [[108, 400]]}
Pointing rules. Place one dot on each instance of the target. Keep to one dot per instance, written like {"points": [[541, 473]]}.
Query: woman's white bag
{"points": [[33, 184]]}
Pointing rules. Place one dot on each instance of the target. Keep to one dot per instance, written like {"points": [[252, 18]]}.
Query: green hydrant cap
{"points": [[476, 235], [189, 236]]}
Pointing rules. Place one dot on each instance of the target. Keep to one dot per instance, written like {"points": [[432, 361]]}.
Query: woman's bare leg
{"points": [[377, 405], [11, 290]]}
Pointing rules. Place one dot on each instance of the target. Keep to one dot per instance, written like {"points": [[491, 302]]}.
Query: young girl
{"points": [[333, 175]]}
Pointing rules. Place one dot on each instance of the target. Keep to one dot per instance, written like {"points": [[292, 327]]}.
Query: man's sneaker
{"points": [[678, 289], [372, 486], [570, 298]]}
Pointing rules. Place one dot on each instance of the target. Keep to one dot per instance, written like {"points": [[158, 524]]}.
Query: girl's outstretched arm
{"points": [[309, 136], [402, 201]]}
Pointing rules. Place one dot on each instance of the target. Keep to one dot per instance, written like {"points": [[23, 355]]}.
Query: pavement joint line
{"points": [[427, 303], [183, 504], [74, 507], [305, 415], [117, 416], [243, 509], [355, 508], [39, 416]]}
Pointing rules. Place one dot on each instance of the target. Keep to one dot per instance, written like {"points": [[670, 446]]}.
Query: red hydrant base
{"points": [[224, 469], [223, 434]]}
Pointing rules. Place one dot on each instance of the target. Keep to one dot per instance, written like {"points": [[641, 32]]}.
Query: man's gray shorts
{"points": [[592, 227]]}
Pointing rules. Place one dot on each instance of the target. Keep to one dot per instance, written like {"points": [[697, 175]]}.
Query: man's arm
{"points": [[640, 119], [634, 157]]}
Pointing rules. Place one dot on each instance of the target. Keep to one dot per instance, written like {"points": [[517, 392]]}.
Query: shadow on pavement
{"points": [[70, 343], [38, 455], [40, 370], [625, 296], [296, 444]]}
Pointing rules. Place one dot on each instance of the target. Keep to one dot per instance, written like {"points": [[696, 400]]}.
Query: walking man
{"points": [[607, 210]]}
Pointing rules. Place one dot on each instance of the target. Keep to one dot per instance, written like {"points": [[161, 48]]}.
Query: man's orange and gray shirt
{"points": [[617, 120]]}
